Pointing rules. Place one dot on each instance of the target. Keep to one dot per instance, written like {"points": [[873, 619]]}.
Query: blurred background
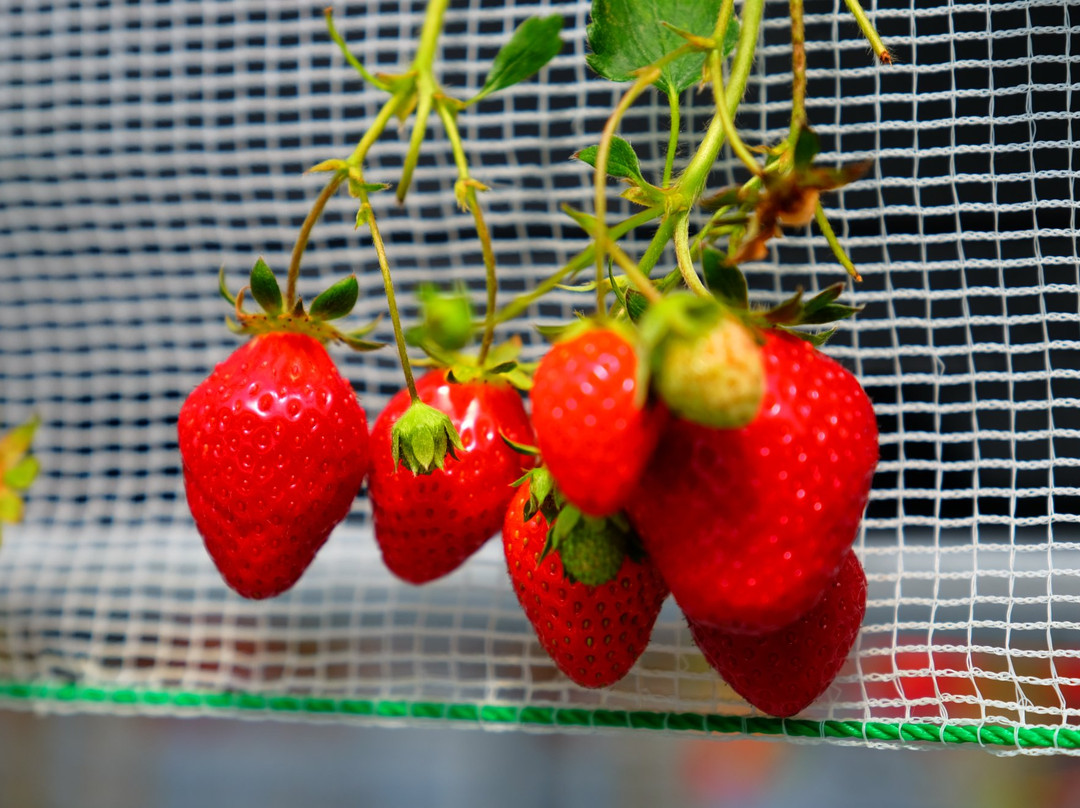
{"points": [[109, 762]]}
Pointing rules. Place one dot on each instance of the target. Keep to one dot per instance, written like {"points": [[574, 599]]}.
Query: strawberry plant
{"points": [[686, 438]]}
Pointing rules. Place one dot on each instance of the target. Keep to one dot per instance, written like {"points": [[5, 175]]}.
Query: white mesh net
{"points": [[144, 144]]}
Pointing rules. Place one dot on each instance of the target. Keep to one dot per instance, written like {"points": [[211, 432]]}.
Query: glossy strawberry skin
{"points": [[782, 672], [592, 431], [593, 634], [275, 447], [748, 525], [428, 525]]}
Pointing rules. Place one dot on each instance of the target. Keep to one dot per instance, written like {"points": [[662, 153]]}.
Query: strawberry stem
{"points": [[673, 139], [684, 257], [798, 71], [645, 78], [391, 302], [869, 31], [834, 243], [349, 57], [305, 233], [520, 303], [465, 190]]}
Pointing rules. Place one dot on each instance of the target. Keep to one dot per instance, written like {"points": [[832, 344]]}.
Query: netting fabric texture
{"points": [[145, 144]]}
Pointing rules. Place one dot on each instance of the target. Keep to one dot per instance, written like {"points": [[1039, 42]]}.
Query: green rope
{"points": [[985, 735]]}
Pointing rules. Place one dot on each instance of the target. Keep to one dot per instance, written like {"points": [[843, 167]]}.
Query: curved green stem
{"points": [[305, 233], [673, 139], [429, 36], [684, 258], [425, 91], [378, 126], [727, 122], [466, 192], [522, 302], [869, 31], [659, 243], [391, 301], [798, 70], [834, 243], [643, 284], [352, 60], [426, 88], [693, 178], [645, 79]]}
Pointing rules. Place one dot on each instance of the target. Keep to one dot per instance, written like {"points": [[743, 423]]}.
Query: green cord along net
{"points": [[145, 144]]}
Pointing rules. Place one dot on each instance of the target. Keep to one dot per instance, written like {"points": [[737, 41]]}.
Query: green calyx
{"points": [[591, 549], [422, 438], [706, 363], [18, 469], [281, 315], [544, 497]]}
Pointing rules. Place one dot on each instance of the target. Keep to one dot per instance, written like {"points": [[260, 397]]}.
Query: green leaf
{"points": [[626, 35], [535, 43], [11, 507], [636, 304], [337, 301], [724, 280], [359, 344], [731, 36], [265, 289], [622, 160], [788, 312], [23, 473], [328, 165], [807, 147], [223, 290], [357, 189], [520, 448], [817, 339]]}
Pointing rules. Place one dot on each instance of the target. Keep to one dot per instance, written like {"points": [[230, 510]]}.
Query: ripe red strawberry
{"points": [[594, 634], [274, 447], [593, 426], [783, 671], [748, 525], [428, 524]]}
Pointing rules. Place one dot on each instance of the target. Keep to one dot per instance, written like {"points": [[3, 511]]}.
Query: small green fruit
{"points": [[716, 379]]}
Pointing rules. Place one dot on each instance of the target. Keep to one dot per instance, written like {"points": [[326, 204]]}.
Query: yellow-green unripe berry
{"points": [[716, 379]]}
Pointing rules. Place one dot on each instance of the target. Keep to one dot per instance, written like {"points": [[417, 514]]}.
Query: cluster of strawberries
{"points": [[703, 451]]}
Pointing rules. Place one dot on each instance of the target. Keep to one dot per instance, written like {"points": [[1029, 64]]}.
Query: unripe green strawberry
{"points": [[714, 379]]}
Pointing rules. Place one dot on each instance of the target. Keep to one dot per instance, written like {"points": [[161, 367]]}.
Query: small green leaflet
{"points": [[535, 43], [626, 35], [337, 301], [622, 160], [265, 289], [724, 280]]}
